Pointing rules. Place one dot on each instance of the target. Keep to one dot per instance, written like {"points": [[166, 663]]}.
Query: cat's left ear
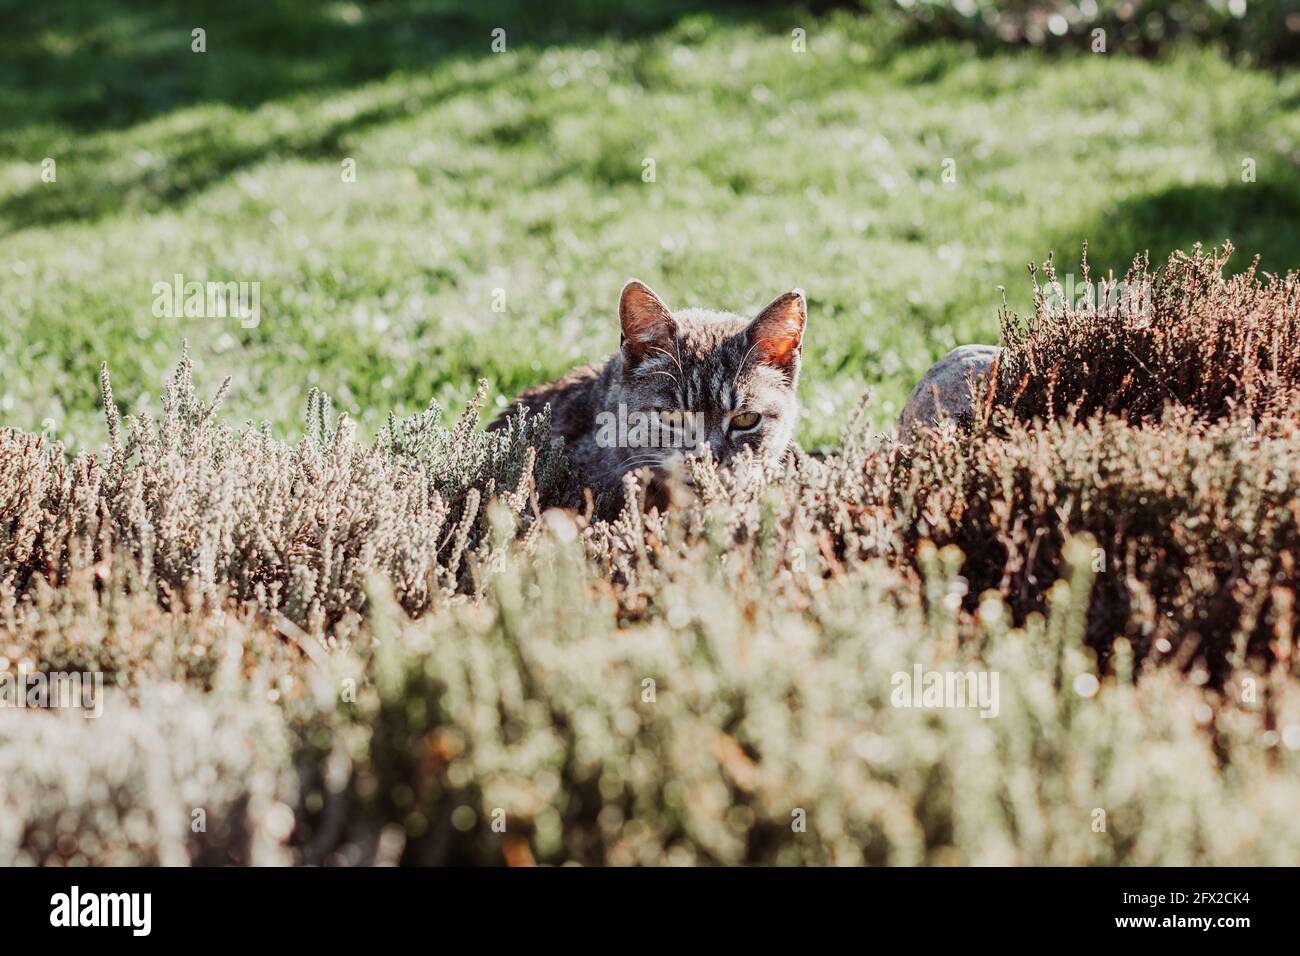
{"points": [[777, 334], [648, 325]]}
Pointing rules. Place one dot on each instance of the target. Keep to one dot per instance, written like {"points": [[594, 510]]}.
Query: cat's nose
{"points": [[713, 445], [718, 445]]}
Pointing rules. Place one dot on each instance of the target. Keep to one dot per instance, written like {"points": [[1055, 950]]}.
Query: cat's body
{"points": [[680, 383]]}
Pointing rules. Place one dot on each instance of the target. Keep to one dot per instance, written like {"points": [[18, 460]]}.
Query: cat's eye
{"points": [[744, 421]]}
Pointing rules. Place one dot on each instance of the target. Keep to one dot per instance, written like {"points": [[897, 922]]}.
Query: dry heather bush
{"points": [[770, 612], [123, 789], [1183, 337], [205, 513], [736, 706], [1168, 432], [705, 731], [1197, 524]]}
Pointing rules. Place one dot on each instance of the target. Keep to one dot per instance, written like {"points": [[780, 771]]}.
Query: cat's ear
{"points": [[776, 336], [648, 325]]}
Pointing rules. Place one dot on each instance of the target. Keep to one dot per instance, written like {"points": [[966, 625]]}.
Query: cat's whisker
{"points": [[745, 361], [676, 358], [641, 460], [651, 461]]}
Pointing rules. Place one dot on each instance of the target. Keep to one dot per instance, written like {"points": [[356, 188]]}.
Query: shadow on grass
{"points": [[72, 70], [1258, 218], [196, 160], [106, 64]]}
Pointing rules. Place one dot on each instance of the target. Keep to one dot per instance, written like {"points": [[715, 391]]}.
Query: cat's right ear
{"points": [[648, 325]]}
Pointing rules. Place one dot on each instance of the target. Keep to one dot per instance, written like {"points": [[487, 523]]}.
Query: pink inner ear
{"points": [[648, 326], [778, 332], [646, 322], [777, 349]]}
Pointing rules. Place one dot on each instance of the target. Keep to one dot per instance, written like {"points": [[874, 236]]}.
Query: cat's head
{"points": [[709, 378]]}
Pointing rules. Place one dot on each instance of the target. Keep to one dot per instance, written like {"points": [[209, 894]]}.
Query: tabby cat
{"points": [[682, 382]]}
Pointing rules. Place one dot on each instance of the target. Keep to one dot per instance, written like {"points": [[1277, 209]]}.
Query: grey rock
{"points": [[944, 391]]}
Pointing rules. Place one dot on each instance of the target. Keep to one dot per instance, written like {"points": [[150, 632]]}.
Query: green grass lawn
{"points": [[523, 172]]}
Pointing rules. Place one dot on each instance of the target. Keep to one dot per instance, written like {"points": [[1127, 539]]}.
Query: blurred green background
{"points": [[522, 171]]}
